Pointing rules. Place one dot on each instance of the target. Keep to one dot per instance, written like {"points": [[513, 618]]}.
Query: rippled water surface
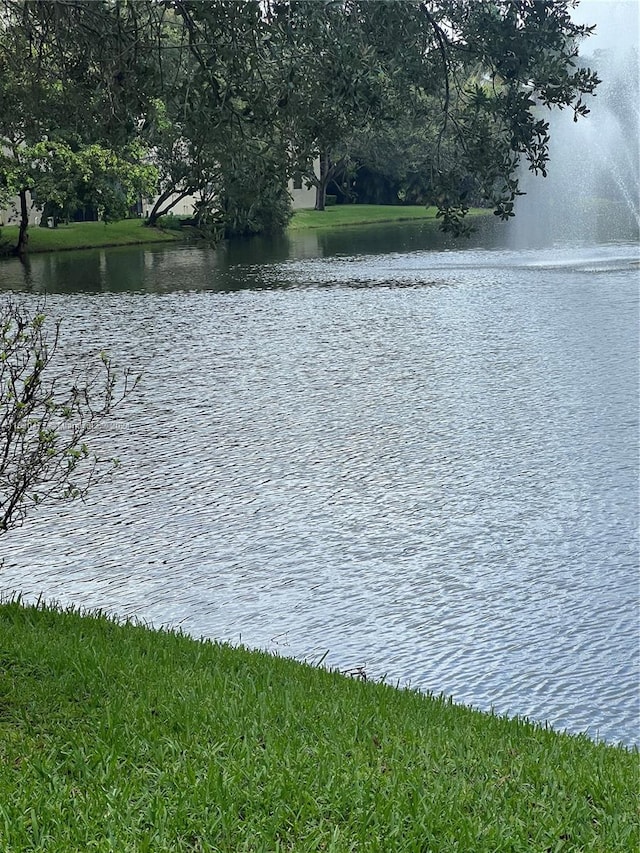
{"points": [[421, 458]]}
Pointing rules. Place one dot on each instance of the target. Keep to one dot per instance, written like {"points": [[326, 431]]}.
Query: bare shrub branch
{"points": [[47, 415]]}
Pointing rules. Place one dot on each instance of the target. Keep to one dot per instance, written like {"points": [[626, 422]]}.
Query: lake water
{"points": [[408, 454]]}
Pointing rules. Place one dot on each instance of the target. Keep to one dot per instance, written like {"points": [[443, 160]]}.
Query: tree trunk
{"points": [[23, 234], [159, 210], [328, 172], [321, 186], [49, 211]]}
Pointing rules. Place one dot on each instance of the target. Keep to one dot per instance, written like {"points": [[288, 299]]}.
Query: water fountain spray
{"points": [[592, 192]]}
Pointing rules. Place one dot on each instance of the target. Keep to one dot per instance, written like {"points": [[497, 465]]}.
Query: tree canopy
{"points": [[227, 100]]}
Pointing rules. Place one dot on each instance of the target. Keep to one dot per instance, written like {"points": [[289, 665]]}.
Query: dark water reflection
{"points": [[237, 266], [421, 457]]}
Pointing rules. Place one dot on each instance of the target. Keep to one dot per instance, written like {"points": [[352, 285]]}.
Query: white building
{"points": [[10, 215], [301, 196]]}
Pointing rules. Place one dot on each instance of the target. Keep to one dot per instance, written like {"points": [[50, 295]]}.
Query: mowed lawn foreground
{"points": [[116, 737]]}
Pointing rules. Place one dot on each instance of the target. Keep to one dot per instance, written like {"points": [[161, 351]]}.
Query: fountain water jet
{"points": [[592, 192]]}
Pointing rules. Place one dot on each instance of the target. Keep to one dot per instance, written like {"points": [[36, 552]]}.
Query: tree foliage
{"points": [[470, 75], [254, 197], [89, 175], [526, 54], [74, 79], [215, 91]]}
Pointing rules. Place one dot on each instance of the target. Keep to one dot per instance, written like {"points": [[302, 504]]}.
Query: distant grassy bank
{"points": [[128, 232], [86, 235], [363, 214], [119, 738]]}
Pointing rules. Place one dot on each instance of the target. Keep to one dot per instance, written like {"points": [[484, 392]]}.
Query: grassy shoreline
{"points": [[86, 235], [131, 232], [118, 737], [339, 216]]}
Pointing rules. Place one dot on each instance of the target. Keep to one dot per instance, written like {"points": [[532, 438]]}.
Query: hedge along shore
{"points": [[115, 737], [131, 232]]}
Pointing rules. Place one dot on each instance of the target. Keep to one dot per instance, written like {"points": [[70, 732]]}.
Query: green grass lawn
{"points": [[362, 214], [85, 235], [119, 738]]}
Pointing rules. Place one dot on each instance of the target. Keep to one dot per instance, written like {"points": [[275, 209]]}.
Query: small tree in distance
{"points": [[46, 416]]}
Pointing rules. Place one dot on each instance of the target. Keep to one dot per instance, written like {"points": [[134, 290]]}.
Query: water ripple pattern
{"points": [[425, 464]]}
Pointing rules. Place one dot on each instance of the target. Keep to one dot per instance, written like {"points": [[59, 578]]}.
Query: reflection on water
{"points": [[422, 458], [254, 263]]}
